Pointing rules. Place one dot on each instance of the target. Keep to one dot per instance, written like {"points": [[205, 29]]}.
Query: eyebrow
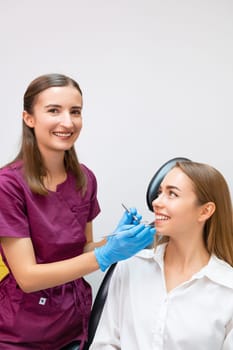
{"points": [[52, 105], [170, 187], [59, 106]]}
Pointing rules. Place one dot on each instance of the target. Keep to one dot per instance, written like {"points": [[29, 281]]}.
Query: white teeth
{"points": [[63, 134], [161, 217]]}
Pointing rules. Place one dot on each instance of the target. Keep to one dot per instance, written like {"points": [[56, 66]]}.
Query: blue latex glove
{"points": [[129, 219], [124, 244]]}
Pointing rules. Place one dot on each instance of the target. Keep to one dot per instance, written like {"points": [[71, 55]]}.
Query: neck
{"points": [[54, 162], [182, 260], [186, 255], [56, 172]]}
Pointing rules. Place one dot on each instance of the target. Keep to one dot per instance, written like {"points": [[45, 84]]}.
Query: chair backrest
{"points": [[97, 307], [156, 180]]}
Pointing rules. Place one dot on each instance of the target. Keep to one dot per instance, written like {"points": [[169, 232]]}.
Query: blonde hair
{"points": [[210, 186]]}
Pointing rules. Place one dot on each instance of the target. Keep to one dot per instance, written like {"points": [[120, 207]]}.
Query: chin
{"points": [[65, 148], [162, 234]]}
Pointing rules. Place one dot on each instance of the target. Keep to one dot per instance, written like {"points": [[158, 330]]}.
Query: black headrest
{"points": [[156, 180]]}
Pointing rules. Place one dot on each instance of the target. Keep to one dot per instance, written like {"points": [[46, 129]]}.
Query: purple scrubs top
{"points": [[50, 318]]}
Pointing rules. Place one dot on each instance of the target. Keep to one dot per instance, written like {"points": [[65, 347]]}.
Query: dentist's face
{"points": [[56, 118]]}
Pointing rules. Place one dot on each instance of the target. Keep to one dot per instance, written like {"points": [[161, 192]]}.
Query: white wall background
{"points": [[157, 78]]}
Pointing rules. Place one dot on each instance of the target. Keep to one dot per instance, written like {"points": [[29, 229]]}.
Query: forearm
{"points": [[92, 245], [42, 276]]}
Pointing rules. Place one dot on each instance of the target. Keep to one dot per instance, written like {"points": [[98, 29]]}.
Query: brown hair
{"points": [[34, 168], [210, 186]]}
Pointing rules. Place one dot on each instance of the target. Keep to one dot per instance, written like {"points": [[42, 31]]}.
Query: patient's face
{"points": [[176, 208]]}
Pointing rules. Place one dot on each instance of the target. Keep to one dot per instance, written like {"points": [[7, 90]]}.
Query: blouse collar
{"points": [[216, 270]]}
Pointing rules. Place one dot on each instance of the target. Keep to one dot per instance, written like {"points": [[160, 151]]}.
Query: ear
{"points": [[28, 119], [207, 211]]}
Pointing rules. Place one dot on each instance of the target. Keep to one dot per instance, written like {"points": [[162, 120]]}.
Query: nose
{"points": [[157, 202], [66, 120]]}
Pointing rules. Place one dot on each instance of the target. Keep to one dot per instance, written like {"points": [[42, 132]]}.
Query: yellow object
{"points": [[3, 269]]}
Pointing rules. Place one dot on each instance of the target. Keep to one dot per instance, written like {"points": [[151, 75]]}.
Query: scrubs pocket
{"points": [[34, 316]]}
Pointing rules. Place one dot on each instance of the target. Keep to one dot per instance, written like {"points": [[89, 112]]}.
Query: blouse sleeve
{"points": [[107, 336], [228, 342]]}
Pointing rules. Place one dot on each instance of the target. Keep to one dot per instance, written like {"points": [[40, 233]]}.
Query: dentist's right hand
{"points": [[124, 244]]}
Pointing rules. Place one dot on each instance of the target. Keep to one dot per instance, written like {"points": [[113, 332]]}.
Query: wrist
{"points": [[102, 262]]}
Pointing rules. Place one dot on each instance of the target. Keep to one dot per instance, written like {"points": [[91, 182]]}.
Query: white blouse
{"points": [[139, 314]]}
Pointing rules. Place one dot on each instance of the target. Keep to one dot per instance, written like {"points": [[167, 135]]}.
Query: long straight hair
{"points": [[33, 165], [210, 186]]}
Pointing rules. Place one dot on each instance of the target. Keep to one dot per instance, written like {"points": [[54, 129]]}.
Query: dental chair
{"points": [[3, 269], [100, 298], [98, 306]]}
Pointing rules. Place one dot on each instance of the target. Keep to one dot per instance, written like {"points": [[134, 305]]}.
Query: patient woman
{"points": [[178, 296]]}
